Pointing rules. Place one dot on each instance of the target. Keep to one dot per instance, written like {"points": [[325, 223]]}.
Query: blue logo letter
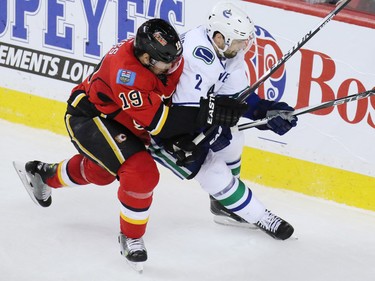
{"points": [[125, 23], [55, 13], [93, 20], [3, 15], [23, 7]]}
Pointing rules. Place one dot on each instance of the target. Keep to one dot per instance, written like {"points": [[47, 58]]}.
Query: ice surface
{"points": [[76, 238]]}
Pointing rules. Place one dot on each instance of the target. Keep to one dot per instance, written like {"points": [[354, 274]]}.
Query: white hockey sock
{"points": [[238, 198], [253, 211], [235, 167]]}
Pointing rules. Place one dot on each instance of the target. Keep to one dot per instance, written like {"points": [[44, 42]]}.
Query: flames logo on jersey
{"points": [[260, 58], [137, 126], [120, 138]]}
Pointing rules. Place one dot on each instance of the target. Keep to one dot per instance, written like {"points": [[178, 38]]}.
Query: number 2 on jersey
{"points": [[198, 85]]}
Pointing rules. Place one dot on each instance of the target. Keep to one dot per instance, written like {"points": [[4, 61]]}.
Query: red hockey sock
{"points": [[79, 170], [138, 178]]}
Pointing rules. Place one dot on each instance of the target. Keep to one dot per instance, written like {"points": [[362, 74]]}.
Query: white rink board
{"points": [[325, 139]]}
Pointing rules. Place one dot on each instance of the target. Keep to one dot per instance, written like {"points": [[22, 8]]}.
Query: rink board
{"points": [[265, 168]]}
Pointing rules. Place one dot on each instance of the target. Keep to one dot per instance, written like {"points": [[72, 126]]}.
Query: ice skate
{"points": [[134, 251], [225, 217], [33, 175], [275, 226]]}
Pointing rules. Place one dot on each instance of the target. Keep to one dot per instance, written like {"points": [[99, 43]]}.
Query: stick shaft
{"points": [[279, 63], [309, 109], [294, 49]]}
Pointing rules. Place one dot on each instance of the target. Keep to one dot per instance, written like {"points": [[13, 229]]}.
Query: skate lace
{"points": [[270, 222], [135, 245]]}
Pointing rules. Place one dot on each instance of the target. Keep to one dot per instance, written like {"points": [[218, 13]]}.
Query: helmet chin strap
{"points": [[219, 50]]}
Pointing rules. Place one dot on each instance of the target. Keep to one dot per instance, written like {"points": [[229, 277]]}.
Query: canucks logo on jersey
{"points": [[205, 54], [125, 77]]}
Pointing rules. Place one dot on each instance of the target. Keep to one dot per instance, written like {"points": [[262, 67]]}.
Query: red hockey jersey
{"points": [[122, 86]]}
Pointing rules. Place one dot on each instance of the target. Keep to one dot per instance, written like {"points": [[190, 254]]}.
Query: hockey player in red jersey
{"points": [[109, 119]]}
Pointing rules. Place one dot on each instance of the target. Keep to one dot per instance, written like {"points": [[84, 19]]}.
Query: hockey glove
{"points": [[221, 139], [220, 111], [183, 149], [283, 120]]}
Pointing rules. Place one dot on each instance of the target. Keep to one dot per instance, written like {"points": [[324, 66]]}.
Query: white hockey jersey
{"points": [[204, 71]]}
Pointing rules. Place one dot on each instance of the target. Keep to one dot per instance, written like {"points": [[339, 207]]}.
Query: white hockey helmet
{"points": [[231, 22]]}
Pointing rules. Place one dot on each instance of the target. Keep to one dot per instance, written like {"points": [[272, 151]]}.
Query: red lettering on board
{"points": [[306, 79]]}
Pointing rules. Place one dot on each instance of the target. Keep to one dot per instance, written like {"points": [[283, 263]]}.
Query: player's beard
{"points": [[230, 54], [157, 71]]}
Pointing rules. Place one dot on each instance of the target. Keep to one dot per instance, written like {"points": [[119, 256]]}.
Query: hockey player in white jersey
{"points": [[215, 65]]}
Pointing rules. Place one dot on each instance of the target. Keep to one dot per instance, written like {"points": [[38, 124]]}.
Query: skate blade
{"points": [[231, 222], [21, 172], [137, 266], [227, 221], [293, 237]]}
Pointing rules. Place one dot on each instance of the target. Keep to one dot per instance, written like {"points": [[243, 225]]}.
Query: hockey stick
{"points": [[279, 63], [309, 109]]}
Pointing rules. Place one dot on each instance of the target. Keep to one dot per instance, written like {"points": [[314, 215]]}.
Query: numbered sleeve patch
{"points": [[125, 77]]}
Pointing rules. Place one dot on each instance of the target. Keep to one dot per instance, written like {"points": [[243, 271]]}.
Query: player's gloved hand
{"points": [[183, 148], [221, 111], [283, 120]]}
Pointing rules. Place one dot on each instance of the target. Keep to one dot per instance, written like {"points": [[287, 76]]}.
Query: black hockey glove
{"points": [[220, 111], [282, 122], [183, 149]]}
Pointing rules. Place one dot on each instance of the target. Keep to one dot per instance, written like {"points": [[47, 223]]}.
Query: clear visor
{"points": [[164, 67]]}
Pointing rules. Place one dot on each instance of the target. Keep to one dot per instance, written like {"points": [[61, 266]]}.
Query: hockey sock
{"points": [[79, 170], [235, 167], [82, 170], [138, 177], [61, 178], [239, 199]]}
